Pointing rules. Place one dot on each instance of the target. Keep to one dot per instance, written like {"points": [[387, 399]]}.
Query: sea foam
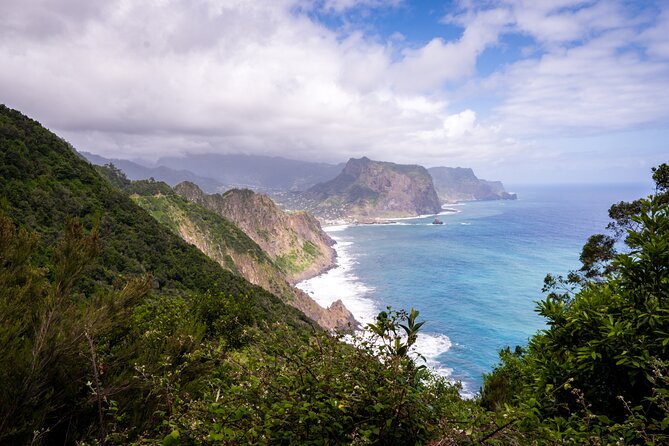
{"points": [[342, 283]]}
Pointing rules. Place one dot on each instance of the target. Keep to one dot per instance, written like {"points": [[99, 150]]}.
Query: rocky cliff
{"points": [[373, 189], [295, 241], [230, 247], [460, 184]]}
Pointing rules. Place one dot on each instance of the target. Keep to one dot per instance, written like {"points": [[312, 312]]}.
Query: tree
{"points": [[599, 366]]}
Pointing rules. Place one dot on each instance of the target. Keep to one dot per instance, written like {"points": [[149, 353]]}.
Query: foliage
{"points": [[287, 389], [114, 331], [598, 374], [44, 183]]}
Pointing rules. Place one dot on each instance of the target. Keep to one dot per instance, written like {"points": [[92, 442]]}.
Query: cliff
{"points": [[460, 184], [373, 189], [294, 241], [229, 246]]}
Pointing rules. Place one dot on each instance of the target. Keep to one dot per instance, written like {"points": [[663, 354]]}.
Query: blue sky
{"points": [[521, 90]]}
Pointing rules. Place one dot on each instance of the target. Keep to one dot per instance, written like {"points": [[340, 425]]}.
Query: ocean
{"points": [[476, 278]]}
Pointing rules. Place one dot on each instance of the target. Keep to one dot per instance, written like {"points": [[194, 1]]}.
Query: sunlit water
{"points": [[475, 279]]}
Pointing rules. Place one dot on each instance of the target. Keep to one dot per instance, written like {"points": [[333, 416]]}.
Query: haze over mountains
{"points": [[136, 171], [361, 187], [255, 171]]}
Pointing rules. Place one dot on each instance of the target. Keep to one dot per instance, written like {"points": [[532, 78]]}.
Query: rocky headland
{"points": [[295, 241], [455, 184], [367, 190]]}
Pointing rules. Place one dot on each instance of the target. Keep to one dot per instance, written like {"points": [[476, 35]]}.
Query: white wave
{"points": [[465, 224], [341, 283], [431, 346], [335, 228]]}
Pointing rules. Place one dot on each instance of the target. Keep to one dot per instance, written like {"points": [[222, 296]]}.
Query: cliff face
{"points": [[294, 241], [371, 189], [231, 248], [460, 184]]}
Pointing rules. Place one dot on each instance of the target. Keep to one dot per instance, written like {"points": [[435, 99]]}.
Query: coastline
{"points": [[341, 283], [328, 225]]}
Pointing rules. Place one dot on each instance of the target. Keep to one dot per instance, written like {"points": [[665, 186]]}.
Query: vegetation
{"points": [[115, 331], [598, 374]]}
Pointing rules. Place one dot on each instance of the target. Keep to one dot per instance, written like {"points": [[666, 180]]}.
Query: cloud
{"points": [[339, 6], [593, 76], [145, 79], [152, 78]]}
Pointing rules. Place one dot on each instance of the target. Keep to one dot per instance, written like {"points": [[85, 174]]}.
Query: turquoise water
{"points": [[476, 278]]}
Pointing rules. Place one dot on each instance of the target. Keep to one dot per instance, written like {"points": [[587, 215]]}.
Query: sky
{"points": [[523, 91]]}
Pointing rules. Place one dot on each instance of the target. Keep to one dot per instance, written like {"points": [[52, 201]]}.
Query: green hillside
{"points": [[113, 330], [51, 203], [44, 183]]}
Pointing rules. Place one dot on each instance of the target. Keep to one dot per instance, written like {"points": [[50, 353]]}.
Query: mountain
{"points": [[135, 171], [373, 189], [225, 243], [261, 173], [294, 241], [96, 294], [460, 184]]}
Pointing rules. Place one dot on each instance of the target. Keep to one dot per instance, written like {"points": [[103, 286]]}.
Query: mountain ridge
{"points": [[367, 189], [137, 171], [257, 172], [455, 184], [295, 241]]}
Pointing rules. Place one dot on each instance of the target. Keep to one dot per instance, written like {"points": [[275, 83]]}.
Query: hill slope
{"points": [[294, 241], [44, 183], [103, 309], [225, 243], [371, 189]]}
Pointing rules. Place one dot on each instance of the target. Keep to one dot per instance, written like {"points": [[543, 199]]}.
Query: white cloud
{"points": [[593, 76], [339, 6], [176, 76], [457, 126], [171, 76]]}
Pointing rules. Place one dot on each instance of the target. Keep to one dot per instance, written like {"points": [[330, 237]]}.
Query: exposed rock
{"points": [[225, 243], [340, 317], [460, 184], [375, 189], [294, 241]]}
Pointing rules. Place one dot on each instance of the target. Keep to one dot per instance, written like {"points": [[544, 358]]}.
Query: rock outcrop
{"points": [[229, 246], [455, 184], [295, 241], [373, 189]]}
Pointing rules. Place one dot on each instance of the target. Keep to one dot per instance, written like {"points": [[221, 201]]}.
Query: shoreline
{"points": [[346, 222], [341, 283], [338, 283]]}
